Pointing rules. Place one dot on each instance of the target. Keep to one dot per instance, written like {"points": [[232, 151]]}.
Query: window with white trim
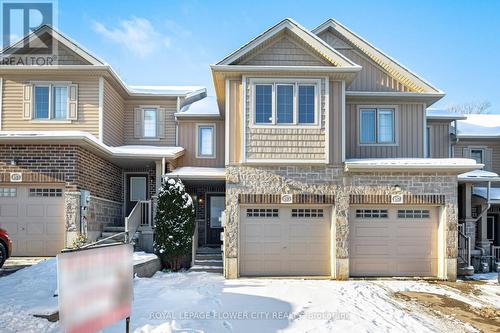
{"points": [[45, 192], [8, 192], [413, 213], [372, 213], [206, 141], [262, 212], [286, 102], [307, 212], [50, 102], [149, 122], [377, 126], [477, 155]]}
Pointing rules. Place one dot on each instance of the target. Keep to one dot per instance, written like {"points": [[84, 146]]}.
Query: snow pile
{"points": [[142, 257]]}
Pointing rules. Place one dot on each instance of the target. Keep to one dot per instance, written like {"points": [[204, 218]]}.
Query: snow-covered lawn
{"points": [[204, 302]]}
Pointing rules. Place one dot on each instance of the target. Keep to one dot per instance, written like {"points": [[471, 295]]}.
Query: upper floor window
{"points": [[377, 126], [478, 155], [206, 141], [285, 102], [149, 122], [50, 102]]}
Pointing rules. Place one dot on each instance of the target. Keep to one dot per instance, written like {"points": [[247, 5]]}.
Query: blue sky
{"points": [[455, 45]]}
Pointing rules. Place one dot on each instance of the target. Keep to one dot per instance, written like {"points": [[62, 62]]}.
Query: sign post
{"points": [[95, 287]]}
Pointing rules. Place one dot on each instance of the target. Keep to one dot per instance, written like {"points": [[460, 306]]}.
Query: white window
{"points": [[372, 213], [414, 213], [262, 212], [137, 188], [206, 141], [50, 102], [377, 126], [285, 102], [149, 122], [307, 212], [217, 206], [45, 192], [8, 192], [478, 155]]}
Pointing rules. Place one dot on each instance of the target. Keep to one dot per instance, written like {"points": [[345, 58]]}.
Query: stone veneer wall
{"points": [[103, 213], [333, 180]]}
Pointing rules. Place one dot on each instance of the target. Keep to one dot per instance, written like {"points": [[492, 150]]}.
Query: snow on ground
{"points": [[490, 291], [205, 302], [141, 257]]}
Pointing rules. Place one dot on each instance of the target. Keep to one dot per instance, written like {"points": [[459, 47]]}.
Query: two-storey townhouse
{"points": [[326, 146], [81, 152]]}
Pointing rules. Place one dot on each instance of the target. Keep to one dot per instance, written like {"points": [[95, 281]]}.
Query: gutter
{"points": [[250, 68]]}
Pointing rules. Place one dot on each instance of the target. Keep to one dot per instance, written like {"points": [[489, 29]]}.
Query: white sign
{"points": [[16, 177], [95, 287], [286, 198], [397, 199]]}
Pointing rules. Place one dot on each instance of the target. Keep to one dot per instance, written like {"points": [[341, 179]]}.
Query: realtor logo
{"points": [[25, 31]]}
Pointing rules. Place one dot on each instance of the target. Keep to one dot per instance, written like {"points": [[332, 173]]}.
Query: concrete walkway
{"points": [[14, 264]]}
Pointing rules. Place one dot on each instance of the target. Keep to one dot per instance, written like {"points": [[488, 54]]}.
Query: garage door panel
{"points": [[402, 242], [289, 244], [34, 220], [9, 210]]}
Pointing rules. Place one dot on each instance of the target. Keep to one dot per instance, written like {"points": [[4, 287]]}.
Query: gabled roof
{"points": [[393, 67], [479, 126], [316, 43], [72, 45]]}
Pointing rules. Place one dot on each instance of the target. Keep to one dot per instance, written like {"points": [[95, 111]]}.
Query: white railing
{"points": [[195, 243], [495, 253], [140, 216]]}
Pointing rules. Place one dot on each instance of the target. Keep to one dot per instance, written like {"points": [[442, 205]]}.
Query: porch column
{"points": [[470, 222], [482, 240], [159, 174]]}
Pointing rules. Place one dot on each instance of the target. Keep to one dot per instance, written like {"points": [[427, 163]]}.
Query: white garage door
{"points": [[279, 240], [34, 218], [393, 241]]}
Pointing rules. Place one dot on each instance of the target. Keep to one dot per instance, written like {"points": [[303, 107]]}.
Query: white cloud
{"points": [[137, 35]]}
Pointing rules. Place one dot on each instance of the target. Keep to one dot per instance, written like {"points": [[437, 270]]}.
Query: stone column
{"points": [[72, 210], [482, 240]]}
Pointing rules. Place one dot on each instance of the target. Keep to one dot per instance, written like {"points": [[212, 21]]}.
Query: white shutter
{"points": [[160, 117], [138, 123], [73, 102], [27, 101]]}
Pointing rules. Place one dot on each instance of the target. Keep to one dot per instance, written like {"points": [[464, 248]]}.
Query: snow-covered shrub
{"points": [[174, 223]]}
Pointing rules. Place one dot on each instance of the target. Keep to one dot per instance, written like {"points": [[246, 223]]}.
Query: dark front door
{"points": [[136, 190], [216, 203]]}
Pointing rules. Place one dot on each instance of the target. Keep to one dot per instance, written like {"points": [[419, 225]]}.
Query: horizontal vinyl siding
{"points": [[439, 139], [492, 145], [113, 116], [88, 104], [187, 140], [170, 106], [409, 127]]}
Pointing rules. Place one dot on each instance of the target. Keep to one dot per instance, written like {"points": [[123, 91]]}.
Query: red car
{"points": [[5, 246]]}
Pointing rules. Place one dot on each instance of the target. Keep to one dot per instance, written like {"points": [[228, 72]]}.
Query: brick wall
{"points": [[72, 165]]}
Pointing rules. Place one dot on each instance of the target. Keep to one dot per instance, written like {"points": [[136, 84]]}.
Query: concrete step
{"points": [[106, 234], [213, 256], [206, 268], [113, 229], [208, 250], [465, 270], [214, 263]]}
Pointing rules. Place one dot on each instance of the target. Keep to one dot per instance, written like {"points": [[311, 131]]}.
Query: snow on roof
{"points": [[141, 151], [198, 173], [412, 163], [443, 114], [204, 107], [478, 176], [483, 193], [479, 125], [166, 90]]}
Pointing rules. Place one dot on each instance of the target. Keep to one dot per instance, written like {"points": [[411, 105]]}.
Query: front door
{"points": [[136, 190], [216, 203]]}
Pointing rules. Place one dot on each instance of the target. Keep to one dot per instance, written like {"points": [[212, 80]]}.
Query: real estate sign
{"points": [[95, 287]]}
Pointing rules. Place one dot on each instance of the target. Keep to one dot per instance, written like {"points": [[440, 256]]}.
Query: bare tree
{"points": [[470, 108]]}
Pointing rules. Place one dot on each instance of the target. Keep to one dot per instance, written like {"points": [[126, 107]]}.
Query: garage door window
{"points": [[372, 213], [8, 192], [45, 192], [307, 212], [262, 212], [413, 213]]}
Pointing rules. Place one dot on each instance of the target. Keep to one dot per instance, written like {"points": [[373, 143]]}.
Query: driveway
{"points": [[205, 302], [13, 264]]}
